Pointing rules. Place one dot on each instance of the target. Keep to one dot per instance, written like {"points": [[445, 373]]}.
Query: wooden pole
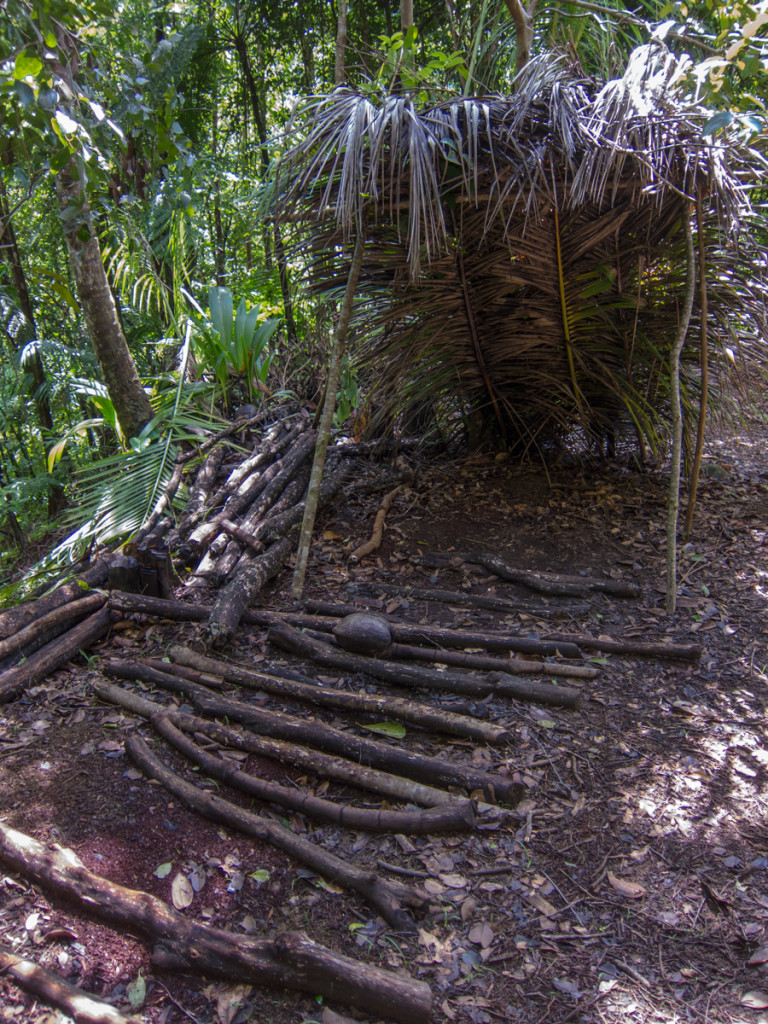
{"points": [[329, 407], [704, 363], [673, 504]]}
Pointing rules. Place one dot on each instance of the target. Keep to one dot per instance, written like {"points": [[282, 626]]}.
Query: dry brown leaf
{"points": [[182, 892], [543, 906], [632, 890], [482, 934], [757, 998]]}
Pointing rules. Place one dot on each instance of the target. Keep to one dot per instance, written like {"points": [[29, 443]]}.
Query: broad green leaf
{"points": [[26, 66], [719, 120], [163, 869], [395, 730], [137, 992], [260, 875]]}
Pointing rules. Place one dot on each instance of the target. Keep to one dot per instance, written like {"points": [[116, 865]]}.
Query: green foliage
{"points": [[234, 344]]}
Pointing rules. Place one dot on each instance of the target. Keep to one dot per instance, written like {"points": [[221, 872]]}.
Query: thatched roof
{"points": [[523, 254]]}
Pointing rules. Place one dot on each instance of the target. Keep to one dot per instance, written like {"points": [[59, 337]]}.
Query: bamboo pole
{"points": [[329, 407]]}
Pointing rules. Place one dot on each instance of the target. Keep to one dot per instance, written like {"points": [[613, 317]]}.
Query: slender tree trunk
{"points": [[33, 363], [341, 43], [704, 363], [523, 20], [261, 129], [677, 416], [329, 407], [131, 403], [219, 254]]}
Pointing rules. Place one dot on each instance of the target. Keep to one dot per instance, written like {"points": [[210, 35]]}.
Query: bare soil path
{"points": [[632, 885]]}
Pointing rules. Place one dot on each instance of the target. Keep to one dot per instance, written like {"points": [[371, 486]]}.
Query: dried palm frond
{"points": [[522, 253]]}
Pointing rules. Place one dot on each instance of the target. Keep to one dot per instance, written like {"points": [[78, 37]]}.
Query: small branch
{"points": [[378, 527]]}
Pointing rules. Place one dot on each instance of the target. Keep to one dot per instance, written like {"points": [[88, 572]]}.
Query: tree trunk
{"points": [[523, 30], [341, 43], [128, 397], [32, 363]]}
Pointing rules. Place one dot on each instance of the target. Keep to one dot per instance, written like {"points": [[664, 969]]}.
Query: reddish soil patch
{"points": [[634, 883]]}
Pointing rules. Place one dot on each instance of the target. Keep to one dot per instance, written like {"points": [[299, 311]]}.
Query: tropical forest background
{"points": [[148, 291]]}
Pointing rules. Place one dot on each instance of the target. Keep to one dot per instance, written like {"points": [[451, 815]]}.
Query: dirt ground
{"points": [[632, 884]]}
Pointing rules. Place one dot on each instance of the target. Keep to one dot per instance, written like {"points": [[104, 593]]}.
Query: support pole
{"points": [[329, 407]]}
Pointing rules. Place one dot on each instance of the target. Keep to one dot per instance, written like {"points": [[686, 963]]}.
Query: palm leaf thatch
{"points": [[523, 254]]}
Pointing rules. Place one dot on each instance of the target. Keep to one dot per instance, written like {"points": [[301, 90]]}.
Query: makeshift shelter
{"points": [[524, 255]]}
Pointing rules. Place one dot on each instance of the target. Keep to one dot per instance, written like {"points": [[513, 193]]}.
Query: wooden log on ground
{"points": [[253, 572], [324, 696], [387, 898], [462, 638], [409, 652], [14, 680], [291, 494], [453, 597], [313, 761], [52, 625], [411, 675], [199, 495], [250, 489], [548, 584], [313, 733], [636, 648], [17, 618], [454, 817], [49, 988], [289, 961]]}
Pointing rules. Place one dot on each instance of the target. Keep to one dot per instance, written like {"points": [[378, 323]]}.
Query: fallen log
{"points": [[410, 675], [17, 618], [323, 765], [313, 733], [250, 525], [51, 625], [80, 1006], [629, 648], [453, 597], [454, 817], [253, 572], [199, 495], [14, 680], [289, 961], [323, 696], [386, 897], [461, 638], [553, 587]]}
